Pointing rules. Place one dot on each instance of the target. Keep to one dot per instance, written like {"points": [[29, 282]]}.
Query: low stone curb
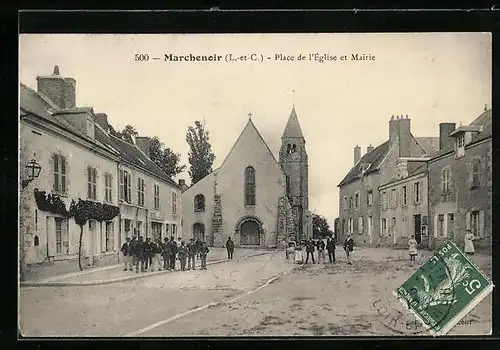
{"points": [[120, 279]]}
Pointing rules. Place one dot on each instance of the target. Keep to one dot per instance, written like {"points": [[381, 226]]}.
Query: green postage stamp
{"points": [[443, 290]]}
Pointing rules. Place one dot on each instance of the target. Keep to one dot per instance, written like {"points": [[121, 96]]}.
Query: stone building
{"points": [[252, 197], [460, 183], [81, 159], [359, 195]]}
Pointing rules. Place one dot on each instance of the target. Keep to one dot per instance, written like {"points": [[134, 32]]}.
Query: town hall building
{"points": [[252, 197]]}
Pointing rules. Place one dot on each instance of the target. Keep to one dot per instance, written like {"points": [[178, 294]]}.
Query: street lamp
{"points": [[33, 170]]}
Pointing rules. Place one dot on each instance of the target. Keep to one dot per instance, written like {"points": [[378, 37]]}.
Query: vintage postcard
{"points": [[224, 185]]}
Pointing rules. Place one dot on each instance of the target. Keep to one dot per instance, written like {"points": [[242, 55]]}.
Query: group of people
{"points": [[311, 246], [152, 256], [468, 245]]}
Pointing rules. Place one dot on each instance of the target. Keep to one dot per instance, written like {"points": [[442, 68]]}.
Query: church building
{"points": [[252, 197]]}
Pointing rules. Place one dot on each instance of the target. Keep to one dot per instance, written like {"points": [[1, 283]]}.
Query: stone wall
{"points": [[217, 239]]}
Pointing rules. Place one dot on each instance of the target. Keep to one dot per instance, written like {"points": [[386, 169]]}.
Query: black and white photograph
{"points": [[249, 185]]}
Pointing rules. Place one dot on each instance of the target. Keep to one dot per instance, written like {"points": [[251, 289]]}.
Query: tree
{"points": [[128, 132], [201, 157], [320, 228], [165, 158]]}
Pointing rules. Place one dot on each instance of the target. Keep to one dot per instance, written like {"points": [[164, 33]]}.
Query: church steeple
{"points": [[292, 129]]}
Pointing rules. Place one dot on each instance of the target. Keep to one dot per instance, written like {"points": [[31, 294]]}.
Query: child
{"points": [[290, 251], [412, 247], [299, 258]]}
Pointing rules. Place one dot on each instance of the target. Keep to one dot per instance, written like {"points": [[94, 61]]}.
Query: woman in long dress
{"points": [[412, 247], [469, 245]]}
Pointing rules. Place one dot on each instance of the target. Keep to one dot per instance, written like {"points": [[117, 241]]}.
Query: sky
{"points": [[431, 77]]}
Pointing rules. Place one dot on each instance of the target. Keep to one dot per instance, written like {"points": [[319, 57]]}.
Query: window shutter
{"points": [[129, 187], [51, 236], [122, 188], [481, 223], [445, 225], [435, 225], [467, 220], [483, 178], [470, 168]]}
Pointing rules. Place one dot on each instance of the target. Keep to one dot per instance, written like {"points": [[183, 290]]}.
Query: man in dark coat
{"points": [[230, 248], [310, 250], [198, 245], [139, 253], [182, 252], [203, 255], [127, 254], [330, 247], [348, 248], [191, 254], [173, 251], [149, 250], [133, 244], [167, 252]]}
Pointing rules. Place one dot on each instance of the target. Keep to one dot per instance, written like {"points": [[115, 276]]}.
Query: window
{"points": [[138, 228], [345, 202], [405, 196], [350, 203], [440, 227], [174, 204], [461, 141], [369, 198], [140, 191], [476, 173], [350, 224], [62, 242], [199, 202], [445, 180], [383, 227], [384, 200], [108, 180], [356, 200], [360, 225], [167, 226], [91, 183], [157, 196], [36, 241], [416, 190], [59, 173], [174, 229], [393, 198], [476, 224], [451, 225], [249, 186], [125, 186], [109, 242]]}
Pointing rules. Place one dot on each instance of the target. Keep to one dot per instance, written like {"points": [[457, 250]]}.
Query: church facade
{"points": [[252, 197]]}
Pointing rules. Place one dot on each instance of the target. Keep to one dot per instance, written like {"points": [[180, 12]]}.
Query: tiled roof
{"points": [[485, 120], [373, 158], [35, 103], [429, 144]]}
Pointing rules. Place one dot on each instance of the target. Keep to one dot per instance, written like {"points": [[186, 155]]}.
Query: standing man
{"points": [[173, 251], [167, 252], [133, 245], [127, 254], [198, 245], [321, 251], [310, 250], [330, 247], [140, 255], [348, 247], [191, 251], [203, 255], [182, 252], [148, 253], [230, 248]]}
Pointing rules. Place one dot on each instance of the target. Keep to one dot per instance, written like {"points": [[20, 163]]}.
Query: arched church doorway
{"points": [[250, 232], [199, 231]]}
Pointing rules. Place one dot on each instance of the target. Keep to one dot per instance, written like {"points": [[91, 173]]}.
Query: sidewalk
{"points": [[115, 273]]}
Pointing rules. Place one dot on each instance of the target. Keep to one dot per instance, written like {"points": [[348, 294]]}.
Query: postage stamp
{"points": [[444, 290]]}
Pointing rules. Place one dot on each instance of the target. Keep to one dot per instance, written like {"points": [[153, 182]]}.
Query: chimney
{"points": [[405, 137], [446, 142], [143, 143], [102, 120], [369, 148], [58, 89], [357, 154], [393, 129]]}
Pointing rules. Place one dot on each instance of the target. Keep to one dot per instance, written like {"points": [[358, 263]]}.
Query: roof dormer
{"points": [[463, 135]]}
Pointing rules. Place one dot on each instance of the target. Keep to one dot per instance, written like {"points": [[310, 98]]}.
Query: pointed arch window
{"points": [[249, 186], [199, 202]]}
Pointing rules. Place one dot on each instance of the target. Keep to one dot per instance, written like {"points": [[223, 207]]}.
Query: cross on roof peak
{"points": [[250, 115]]}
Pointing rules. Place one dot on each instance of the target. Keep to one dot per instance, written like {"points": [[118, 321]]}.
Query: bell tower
{"points": [[293, 160]]}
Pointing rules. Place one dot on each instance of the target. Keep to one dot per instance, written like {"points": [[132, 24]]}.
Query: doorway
{"points": [[250, 233], [418, 227], [199, 231]]}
